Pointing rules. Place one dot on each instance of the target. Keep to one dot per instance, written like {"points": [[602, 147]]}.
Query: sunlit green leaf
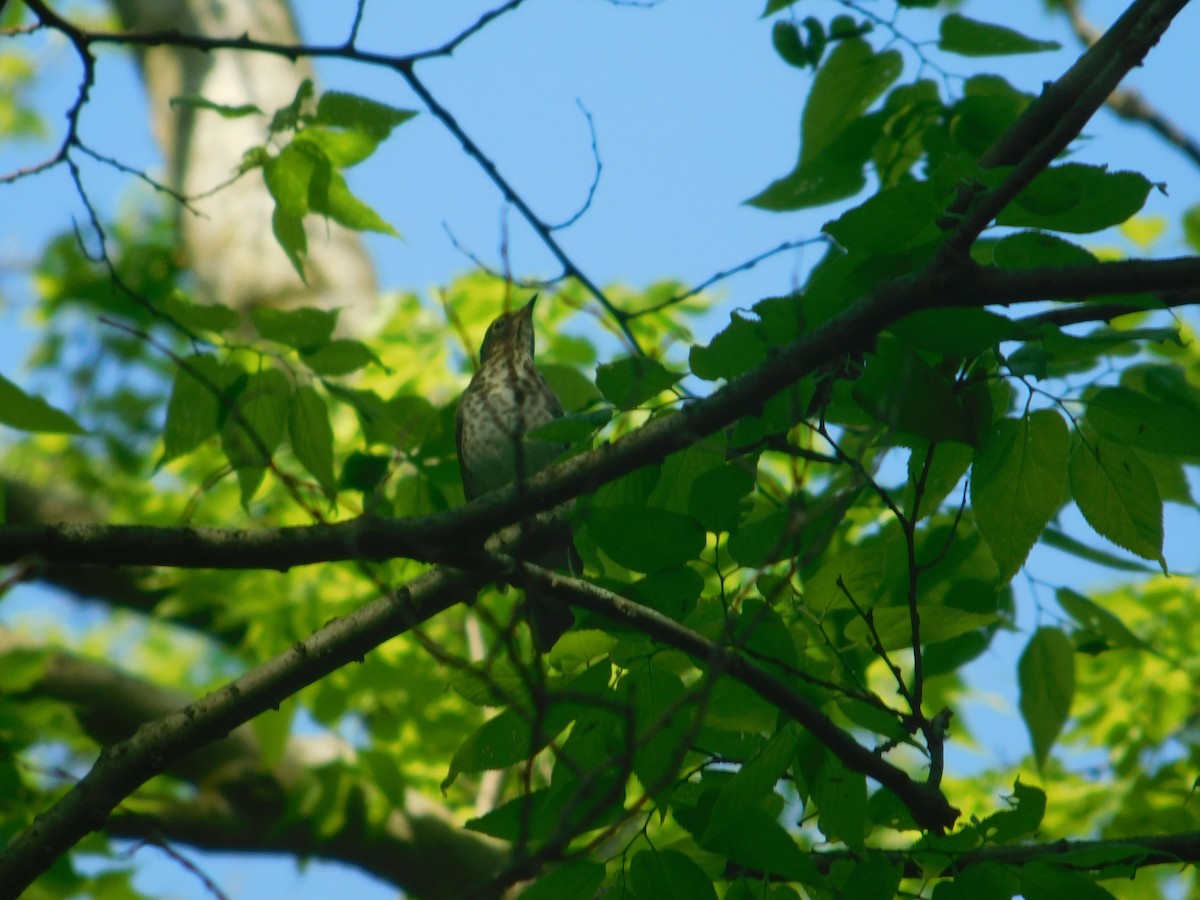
{"points": [[195, 409], [312, 436], [336, 202], [357, 113]]}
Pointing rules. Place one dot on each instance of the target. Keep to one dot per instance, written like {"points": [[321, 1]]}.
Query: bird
{"points": [[506, 399]]}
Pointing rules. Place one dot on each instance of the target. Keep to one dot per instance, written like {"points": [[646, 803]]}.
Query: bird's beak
{"points": [[528, 310]]}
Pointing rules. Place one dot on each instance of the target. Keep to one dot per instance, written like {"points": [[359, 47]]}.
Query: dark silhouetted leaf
{"points": [[632, 380]]}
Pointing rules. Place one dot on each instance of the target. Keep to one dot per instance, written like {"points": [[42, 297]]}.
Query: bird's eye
{"points": [[499, 325]]}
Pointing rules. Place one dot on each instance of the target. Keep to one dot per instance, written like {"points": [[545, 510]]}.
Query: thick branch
{"points": [[926, 803], [242, 805], [454, 537], [1057, 117], [1111, 855], [124, 767]]}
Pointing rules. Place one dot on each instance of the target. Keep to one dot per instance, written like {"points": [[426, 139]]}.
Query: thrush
{"points": [[508, 398]]}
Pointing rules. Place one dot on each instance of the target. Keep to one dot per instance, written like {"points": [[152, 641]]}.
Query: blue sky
{"points": [[693, 114]]}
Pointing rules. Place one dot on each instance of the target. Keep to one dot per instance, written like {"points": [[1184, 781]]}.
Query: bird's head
{"points": [[510, 334]]}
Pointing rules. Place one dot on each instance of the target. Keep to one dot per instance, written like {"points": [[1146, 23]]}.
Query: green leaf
{"points": [[1068, 544], [363, 471], [194, 411], [288, 117], [1035, 249], [773, 6], [956, 333], [572, 427], [506, 739], [644, 538], [306, 329], [632, 380], [841, 798], [1077, 198], [717, 499], [195, 101], [339, 357], [836, 173], [735, 349], [21, 669], [1017, 484], [753, 782], [201, 316], [1134, 419], [1028, 808], [1118, 496], [785, 37], [1044, 880], [850, 80], [903, 392], [579, 879], [893, 624], [336, 202], [1191, 227], [989, 107], [251, 437], [680, 470], [669, 875], [289, 175], [950, 463], [356, 113], [835, 139], [540, 814], [1046, 675], [982, 881], [968, 37], [25, 413], [873, 878], [289, 232], [662, 718], [312, 437], [1099, 620], [762, 844], [892, 220]]}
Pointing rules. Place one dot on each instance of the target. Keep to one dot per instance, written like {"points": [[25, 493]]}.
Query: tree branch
{"points": [[927, 804], [1057, 117], [454, 537], [123, 767], [1128, 103], [241, 805]]}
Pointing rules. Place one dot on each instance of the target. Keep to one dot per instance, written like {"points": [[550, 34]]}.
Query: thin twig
{"points": [[587, 203]]}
